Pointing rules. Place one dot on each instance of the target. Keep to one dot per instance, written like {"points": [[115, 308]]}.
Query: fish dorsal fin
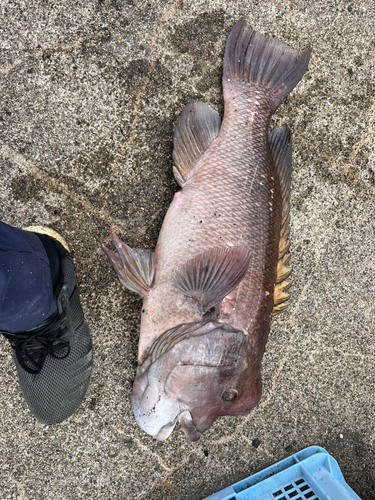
{"points": [[197, 126], [211, 275], [135, 267], [280, 145]]}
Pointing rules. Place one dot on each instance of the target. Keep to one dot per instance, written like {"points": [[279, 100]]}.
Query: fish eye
{"points": [[230, 395]]}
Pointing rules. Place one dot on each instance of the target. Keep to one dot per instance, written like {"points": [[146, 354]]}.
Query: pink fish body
{"points": [[219, 269]]}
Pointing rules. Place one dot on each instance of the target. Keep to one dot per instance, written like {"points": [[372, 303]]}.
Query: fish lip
{"points": [[165, 431], [186, 421]]}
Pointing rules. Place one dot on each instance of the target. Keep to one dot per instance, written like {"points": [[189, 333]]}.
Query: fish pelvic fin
{"points": [[210, 276], [280, 145], [135, 267], [197, 126], [262, 61]]}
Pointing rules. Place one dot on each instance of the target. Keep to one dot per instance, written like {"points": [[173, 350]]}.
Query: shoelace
{"points": [[44, 340]]}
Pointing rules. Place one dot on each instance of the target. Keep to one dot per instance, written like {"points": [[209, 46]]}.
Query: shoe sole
{"points": [[49, 232]]}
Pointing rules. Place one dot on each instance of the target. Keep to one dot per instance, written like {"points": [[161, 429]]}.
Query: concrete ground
{"points": [[89, 95]]}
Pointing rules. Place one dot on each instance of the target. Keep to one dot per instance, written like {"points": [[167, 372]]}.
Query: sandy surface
{"points": [[89, 95]]}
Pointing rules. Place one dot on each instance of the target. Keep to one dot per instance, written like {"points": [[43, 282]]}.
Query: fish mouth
{"points": [[186, 422], [183, 416], [165, 431]]}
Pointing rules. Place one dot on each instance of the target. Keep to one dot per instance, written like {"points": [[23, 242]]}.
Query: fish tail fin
{"points": [[262, 62]]}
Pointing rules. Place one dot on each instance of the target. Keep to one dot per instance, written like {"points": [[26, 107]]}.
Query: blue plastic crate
{"points": [[310, 474]]}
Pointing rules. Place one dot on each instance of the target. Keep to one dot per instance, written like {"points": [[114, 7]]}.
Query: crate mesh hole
{"points": [[294, 488]]}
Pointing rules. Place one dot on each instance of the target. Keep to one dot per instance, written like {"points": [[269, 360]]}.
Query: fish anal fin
{"points": [[283, 271], [280, 294], [197, 126], [135, 267], [284, 244], [280, 145], [279, 308], [211, 275]]}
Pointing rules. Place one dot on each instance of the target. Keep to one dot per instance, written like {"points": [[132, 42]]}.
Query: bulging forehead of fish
{"points": [[197, 366]]}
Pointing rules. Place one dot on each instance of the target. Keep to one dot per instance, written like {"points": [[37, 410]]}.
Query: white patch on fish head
{"points": [[154, 411]]}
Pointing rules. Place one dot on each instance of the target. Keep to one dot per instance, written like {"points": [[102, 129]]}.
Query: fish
{"points": [[221, 266]]}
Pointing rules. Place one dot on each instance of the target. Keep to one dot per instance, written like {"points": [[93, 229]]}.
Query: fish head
{"points": [[194, 374]]}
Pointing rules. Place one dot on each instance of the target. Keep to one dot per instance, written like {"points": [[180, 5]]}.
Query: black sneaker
{"points": [[54, 359]]}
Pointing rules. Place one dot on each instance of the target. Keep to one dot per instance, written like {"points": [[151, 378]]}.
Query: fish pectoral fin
{"points": [[135, 267], [197, 126], [280, 145], [212, 275]]}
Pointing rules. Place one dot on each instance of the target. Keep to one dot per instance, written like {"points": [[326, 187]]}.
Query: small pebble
{"points": [[255, 443]]}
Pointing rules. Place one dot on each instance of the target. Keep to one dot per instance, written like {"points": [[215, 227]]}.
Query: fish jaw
{"points": [[187, 376]]}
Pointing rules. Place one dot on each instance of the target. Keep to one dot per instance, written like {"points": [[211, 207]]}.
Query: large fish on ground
{"points": [[220, 267]]}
